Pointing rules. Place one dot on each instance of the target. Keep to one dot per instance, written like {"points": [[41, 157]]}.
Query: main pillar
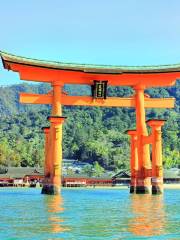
{"points": [[157, 168], [55, 142], [144, 165], [134, 160]]}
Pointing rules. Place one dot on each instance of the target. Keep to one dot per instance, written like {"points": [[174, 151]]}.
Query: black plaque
{"points": [[99, 89]]}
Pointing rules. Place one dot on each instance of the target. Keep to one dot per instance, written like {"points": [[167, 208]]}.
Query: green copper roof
{"points": [[91, 68]]}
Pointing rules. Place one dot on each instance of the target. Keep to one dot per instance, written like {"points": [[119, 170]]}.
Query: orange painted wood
{"points": [[134, 157], [41, 74], [46, 147], [144, 164], [89, 101], [156, 150], [35, 98], [57, 100], [157, 165], [55, 150]]}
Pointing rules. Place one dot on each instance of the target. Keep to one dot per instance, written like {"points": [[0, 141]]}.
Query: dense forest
{"points": [[89, 134]]}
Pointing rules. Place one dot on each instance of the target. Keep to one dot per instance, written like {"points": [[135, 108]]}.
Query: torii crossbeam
{"points": [[31, 98]]}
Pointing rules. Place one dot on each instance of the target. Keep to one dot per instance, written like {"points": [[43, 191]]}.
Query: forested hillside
{"points": [[90, 134]]}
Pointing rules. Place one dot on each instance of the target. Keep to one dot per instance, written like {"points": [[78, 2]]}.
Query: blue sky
{"points": [[117, 32]]}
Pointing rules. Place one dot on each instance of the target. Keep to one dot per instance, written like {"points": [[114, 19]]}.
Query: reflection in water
{"points": [[86, 214], [55, 208], [148, 217]]}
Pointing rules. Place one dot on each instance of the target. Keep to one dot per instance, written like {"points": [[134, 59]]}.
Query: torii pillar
{"points": [[134, 160], [46, 148], [157, 167], [53, 185], [144, 165]]}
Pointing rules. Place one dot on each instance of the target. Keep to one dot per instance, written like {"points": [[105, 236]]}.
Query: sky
{"points": [[116, 32]]}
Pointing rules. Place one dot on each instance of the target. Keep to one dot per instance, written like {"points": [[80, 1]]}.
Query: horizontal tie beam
{"points": [[35, 98], [30, 98]]}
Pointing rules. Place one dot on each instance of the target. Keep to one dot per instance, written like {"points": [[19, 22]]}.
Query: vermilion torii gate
{"points": [[144, 174]]}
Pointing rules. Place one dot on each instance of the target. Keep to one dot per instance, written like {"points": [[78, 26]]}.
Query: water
{"points": [[84, 214]]}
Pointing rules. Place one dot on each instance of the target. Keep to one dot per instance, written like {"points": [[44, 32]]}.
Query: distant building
{"points": [[172, 175], [83, 181], [17, 175], [121, 178]]}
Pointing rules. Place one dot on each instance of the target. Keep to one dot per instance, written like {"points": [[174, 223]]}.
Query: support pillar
{"points": [[134, 160], [157, 168], [46, 147], [144, 164]]}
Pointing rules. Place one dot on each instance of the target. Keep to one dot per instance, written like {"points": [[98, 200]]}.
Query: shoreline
{"points": [[166, 186], [172, 186]]}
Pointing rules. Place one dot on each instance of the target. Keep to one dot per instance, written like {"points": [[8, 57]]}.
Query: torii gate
{"points": [[98, 76]]}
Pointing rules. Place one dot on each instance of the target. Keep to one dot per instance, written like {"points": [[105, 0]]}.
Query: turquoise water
{"points": [[88, 214]]}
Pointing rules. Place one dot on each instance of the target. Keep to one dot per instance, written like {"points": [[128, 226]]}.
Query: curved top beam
{"points": [[69, 73], [89, 68]]}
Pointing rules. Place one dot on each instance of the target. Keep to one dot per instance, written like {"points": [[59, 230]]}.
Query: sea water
{"points": [[84, 214]]}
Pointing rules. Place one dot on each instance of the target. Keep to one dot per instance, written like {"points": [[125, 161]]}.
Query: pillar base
{"points": [[143, 190], [50, 189], [132, 189], [157, 190]]}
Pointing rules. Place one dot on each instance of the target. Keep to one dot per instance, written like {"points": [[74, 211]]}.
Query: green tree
{"points": [[98, 170]]}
